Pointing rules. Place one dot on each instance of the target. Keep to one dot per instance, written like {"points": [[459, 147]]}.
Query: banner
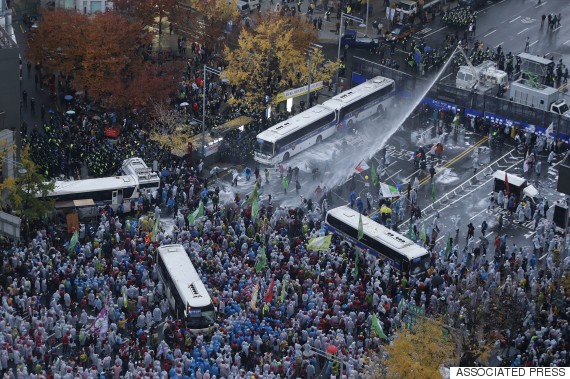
{"points": [[389, 191], [101, 324], [320, 243]]}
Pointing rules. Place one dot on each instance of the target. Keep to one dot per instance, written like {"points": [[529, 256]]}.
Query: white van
{"points": [[243, 7]]}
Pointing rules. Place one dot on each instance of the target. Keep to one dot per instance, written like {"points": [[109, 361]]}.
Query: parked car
{"points": [[399, 33], [351, 39]]}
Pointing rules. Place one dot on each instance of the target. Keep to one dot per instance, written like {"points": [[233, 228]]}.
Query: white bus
{"points": [[384, 243], [308, 128], [113, 191], [189, 300]]}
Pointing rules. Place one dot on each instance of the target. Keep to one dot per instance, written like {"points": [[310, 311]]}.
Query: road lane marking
{"points": [[556, 28], [514, 19], [488, 34], [435, 31], [499, 45], [522, 31], [394, 174], [567, 42], [540, 5], [533, 43]]}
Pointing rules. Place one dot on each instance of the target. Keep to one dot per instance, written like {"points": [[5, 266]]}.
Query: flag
{"points": [[254, 209], [253, 300], [507, 184], [401, 305], [423, 234], [433, 192], [319, 243], [261, 261], [360, 228], [254, 195], [101, 324], [125, 298], [73, 241], [283, 291], [362, 166], [198, 212], [269, 292], [377, 328], [550, 129], [373, 177], [356, 262], [155, 229], [411, 233]]}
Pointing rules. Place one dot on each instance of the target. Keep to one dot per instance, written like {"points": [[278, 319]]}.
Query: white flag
{"points": [[550, 129], [362, 166]]}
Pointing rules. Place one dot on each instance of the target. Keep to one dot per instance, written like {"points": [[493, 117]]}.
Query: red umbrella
{"points": [[332, 349]]}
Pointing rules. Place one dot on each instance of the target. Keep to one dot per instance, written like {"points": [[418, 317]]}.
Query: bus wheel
{"points": [[319, 139], [286, 157]]}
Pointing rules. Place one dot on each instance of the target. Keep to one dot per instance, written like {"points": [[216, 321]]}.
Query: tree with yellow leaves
{"points": [[419, 353], [272, 57], [20, 193]]}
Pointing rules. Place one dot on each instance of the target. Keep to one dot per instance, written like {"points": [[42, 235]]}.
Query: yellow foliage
{"points": [[420, 353], [272, 57]]}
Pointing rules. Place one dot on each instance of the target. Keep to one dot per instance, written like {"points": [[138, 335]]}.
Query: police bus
{"points": [[188, 298], [384, 243], [114, 191], [308, 128]]}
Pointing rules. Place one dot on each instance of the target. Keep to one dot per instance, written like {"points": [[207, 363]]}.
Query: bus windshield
{"points": [[200, 318], [264, 147], [419, 265]]}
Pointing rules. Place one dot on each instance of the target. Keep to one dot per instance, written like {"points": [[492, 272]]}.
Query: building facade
{"points": [[9, 72], [85, 6]]}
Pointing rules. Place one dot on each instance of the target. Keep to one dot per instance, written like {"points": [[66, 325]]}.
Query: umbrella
{"points": [[165, 172], [332, 349], [428, 49], [68, 97], [78, 93], [184, 104], [51, 111], [70, 112], [96, 118]]}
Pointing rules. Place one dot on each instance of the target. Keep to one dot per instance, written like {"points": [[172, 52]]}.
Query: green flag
{"points": [[155, 229], [254, 195], [283, 291], [377, 328], [401, 305], [433, 192], [360, 228], [355, 272], [423, 235], [261, 261], [73, 241], [197, 213], [411, 232], [254, 209], [319, 243], [373, 177]]}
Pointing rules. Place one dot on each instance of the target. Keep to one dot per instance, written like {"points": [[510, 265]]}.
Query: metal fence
{"points": [[498, 109]]}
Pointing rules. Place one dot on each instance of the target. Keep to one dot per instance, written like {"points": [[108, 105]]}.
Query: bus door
{"points": [[117, 197]]}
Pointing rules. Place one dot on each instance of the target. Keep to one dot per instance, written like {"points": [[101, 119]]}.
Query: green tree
{"points": [[26, 193]]}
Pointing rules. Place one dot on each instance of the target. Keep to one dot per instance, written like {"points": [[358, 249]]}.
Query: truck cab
{"points": [[560, 107]]}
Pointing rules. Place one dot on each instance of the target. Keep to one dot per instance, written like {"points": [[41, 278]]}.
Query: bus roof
{"points": [[357, 92], [184, 275], [64, 187], [137, 167], [387, 236], [294, 123]]}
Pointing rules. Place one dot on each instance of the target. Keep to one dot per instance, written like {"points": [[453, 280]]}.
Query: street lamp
{"points": [[313, 47], [342, 16], [21, 168], [211, 71]]}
